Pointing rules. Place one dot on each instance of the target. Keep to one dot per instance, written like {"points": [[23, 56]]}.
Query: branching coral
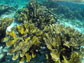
{"points": [[4, 23], [37, 34], [63, 43], [35, 13], [25, 42]]}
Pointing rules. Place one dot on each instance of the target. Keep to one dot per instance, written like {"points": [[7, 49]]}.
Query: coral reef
{"points": [[69, 11], [37, 35], [6, 9], [68, 14], [4, 23], [63, 43], [25, 42], [35, 13]]}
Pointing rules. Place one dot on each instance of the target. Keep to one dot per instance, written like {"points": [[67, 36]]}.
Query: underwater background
{"points": [[41, 31]]}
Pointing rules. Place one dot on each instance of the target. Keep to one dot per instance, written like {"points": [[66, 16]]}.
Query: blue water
{"points": [[69, 13]]}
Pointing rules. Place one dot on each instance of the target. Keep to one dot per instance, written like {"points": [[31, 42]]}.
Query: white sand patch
{"points": [[11, 26]]}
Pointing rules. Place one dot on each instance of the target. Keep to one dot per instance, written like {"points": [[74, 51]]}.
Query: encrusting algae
{"points": [[39, 34]]}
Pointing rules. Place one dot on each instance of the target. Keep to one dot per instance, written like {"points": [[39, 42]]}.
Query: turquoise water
{"points": [[66, 13]]}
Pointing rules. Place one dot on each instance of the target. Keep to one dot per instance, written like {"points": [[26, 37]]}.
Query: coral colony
{"points": [[38, 33]]}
